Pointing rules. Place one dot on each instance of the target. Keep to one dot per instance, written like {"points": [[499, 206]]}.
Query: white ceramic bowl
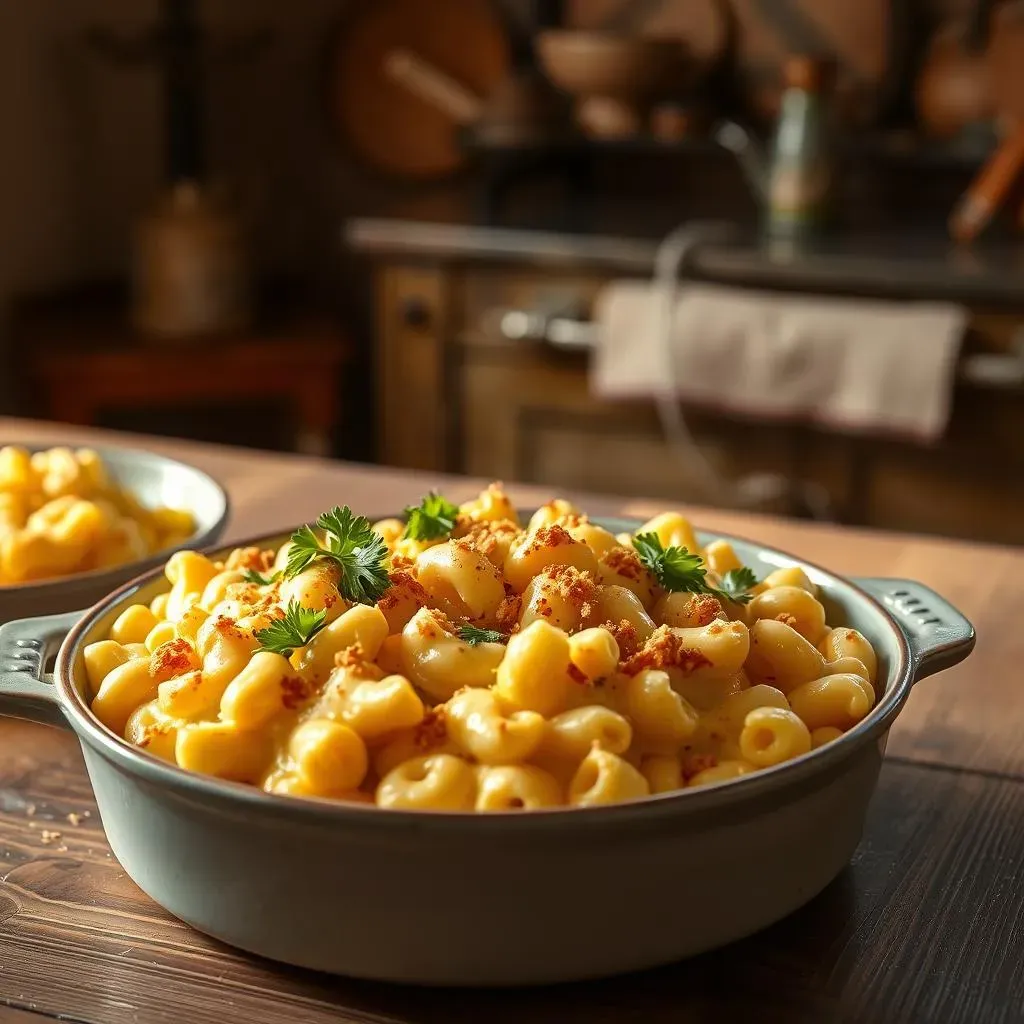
{"points": [[154, 480], [497, 899]]}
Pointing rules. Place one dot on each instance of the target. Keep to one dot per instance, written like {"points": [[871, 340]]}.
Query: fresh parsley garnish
{"points": [[296, 629], [738, 583], [352, 544], [252, 576], [677, 569], [432, 518], [474, 636]]}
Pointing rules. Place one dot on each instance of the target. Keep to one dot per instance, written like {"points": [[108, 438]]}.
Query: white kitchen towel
{"points": [[849, 364]]}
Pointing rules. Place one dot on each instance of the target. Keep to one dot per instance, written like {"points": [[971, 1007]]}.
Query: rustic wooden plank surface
{"points": [[927, 925], [9, 1015]]}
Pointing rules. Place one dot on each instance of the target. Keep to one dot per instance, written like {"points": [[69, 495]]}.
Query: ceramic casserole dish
{"points": [[500, 899]]}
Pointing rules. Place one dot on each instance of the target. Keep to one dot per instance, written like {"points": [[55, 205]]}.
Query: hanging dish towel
{"points": [[849, 364]]}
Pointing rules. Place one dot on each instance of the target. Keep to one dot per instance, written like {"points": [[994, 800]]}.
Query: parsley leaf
{"points": [[252, 576], [738, 583], [351, 543], [674, 568], [474, 636], [432, 518], [296, 629], [677, 569]]}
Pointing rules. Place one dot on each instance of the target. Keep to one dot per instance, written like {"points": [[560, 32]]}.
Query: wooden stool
{"points": [[84, 358]]}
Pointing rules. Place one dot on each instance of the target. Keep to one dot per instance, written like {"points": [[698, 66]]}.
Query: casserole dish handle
{"points": [[939, 635], [25, 647]]}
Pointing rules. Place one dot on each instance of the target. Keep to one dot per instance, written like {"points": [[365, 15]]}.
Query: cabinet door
{"points": [[413, 410], [527, 414]]}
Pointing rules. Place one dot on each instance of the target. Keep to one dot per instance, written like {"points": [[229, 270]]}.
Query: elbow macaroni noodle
{"points": [[60, 513], [604, 688]]}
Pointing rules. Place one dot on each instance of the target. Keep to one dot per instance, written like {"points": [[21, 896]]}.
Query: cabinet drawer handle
{"points": [[558, 331]]}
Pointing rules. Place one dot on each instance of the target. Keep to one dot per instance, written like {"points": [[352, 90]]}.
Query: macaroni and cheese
{"points": [[462, 660], [61, 513]]}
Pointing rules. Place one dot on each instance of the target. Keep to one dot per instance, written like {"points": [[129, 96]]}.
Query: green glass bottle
{"points": [[800, 178]]}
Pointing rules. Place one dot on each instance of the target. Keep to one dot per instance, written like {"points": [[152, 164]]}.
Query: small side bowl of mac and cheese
{"points": [[463, 658], [77, 522]]}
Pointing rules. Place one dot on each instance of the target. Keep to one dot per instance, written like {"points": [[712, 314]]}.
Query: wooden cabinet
{"points": [[456, 394]]}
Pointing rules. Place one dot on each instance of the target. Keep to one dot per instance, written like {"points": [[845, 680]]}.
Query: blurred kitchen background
{"points": [[749, 253]]}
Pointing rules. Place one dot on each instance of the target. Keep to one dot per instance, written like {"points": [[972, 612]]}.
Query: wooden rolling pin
{"points": [[433, 86], [989, 189]]}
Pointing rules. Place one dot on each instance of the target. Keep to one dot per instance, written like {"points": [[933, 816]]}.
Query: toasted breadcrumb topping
{"points": [[351, 657], [693, 764], [151, 732], [664, 649], [432, 731], [625, 562], [227, 627], [625, 636], [487, 537], [576, 587], [250, 558], [295, 691], [404, 586], [431, 626], [553, 536], [173, 658], [703, 609], [507, 615]]}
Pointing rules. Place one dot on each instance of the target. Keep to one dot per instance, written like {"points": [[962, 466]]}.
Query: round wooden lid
{"points": [[387, 125]]}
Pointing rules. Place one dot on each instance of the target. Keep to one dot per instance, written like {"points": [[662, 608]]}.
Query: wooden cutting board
{"points": [[382, 123]]}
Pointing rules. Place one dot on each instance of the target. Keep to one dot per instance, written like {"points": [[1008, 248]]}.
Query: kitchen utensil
{"points": [[626, 74], [154, 480], [433, 86], [506, 898], [995, 182], [954, 89], [989, 189], [389, 127], [522, 109]]}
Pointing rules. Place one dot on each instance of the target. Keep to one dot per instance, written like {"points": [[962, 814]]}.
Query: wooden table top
{"points": [[926, 925]]}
